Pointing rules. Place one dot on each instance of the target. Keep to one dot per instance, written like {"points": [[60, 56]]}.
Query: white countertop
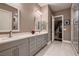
{"points": [[18, 36]]}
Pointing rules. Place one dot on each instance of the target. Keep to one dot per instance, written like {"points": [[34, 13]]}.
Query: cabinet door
{"points": [[7, 52], [15, 51], [41, 41], [23, 48], [38, 42], [44, 39], [32, 44]]}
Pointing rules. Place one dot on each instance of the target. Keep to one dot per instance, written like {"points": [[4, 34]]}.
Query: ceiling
{"points": [[57, 6]]}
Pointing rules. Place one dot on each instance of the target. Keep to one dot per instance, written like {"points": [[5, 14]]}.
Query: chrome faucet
{"points": [[10, 34]]}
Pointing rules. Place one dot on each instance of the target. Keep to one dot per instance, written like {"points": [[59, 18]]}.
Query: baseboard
{"points": [[66, 41]]}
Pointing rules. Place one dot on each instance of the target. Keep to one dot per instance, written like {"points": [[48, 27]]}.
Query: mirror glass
{"points": [[5, 20], [9, 18], [38, 22], [44, 24]]}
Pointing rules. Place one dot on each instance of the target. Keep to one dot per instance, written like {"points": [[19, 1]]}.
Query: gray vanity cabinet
{"points": [[23, 48], [41, 41], [16, 48], [46, 37], [44, 40], [38, 42], [32, 45], [14, 51], [7, 52]]}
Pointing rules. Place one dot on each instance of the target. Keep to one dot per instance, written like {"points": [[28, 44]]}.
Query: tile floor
{"points": [[57, 48]]}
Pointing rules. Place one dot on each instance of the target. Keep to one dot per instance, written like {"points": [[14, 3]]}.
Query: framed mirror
{"points": [[40, 24], [9, 18]]}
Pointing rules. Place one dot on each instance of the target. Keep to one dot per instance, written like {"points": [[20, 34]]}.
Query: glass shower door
{"points": [[75, 40]]}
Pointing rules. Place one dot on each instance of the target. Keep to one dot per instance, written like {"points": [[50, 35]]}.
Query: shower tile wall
{"points": [[75, 39]]}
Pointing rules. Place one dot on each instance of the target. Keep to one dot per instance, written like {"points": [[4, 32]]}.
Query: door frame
{"points": [[53, 18]]}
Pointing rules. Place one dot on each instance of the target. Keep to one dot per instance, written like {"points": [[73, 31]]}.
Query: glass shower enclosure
{"points": [[75, 26]]}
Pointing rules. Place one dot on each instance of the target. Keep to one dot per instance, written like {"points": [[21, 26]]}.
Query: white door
{"points": [[52, 28]]}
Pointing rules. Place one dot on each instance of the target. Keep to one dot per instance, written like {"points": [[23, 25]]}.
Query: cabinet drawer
{"points": [[7, 52], [11, 44], [14, 51]]}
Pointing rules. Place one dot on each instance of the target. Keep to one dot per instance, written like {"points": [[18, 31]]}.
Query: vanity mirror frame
{"points": [[18, 22]]}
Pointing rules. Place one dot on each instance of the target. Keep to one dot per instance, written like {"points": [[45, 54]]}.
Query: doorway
{"points": [[57, 28]]}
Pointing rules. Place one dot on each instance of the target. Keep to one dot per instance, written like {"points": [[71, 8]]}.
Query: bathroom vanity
{"points": [[23, 44], [16, 43]]}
